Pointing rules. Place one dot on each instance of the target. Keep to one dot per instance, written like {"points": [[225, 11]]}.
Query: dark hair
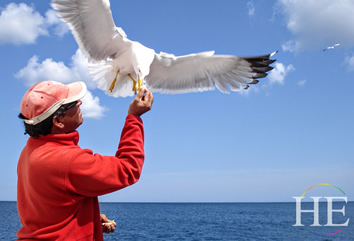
{"points": [[43, 128]]}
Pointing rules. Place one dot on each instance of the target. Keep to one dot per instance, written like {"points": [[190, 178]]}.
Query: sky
{"points": [[292, 130]]}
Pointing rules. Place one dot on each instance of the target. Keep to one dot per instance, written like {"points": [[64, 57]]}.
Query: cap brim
{"points": [[77, 90]]}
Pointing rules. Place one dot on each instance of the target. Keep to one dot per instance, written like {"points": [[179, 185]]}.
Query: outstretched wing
{"points": [[93, 27], [331, 47], [203, 71]]}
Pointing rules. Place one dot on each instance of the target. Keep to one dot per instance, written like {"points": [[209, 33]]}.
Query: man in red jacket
{"points": [[58, 182]]}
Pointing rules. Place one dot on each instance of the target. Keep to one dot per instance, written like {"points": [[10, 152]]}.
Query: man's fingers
{"points": [[141, 93], [148, 96], [141, 103], [109, 227]]}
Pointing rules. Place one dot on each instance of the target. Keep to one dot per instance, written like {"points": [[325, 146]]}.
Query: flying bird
{"points": [[331, 47], [120, 66]]}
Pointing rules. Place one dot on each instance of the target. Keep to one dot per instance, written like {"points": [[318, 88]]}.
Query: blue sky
{"points": [[289, 132]]}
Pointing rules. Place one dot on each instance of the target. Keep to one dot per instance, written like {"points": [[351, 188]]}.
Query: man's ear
{"points": [[57, 122]]}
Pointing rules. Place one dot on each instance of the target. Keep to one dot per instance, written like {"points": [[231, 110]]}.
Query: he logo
{"points": [[315, 211]]}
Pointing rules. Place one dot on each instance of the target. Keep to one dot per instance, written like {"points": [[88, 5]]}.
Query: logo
{"points": [[316, 210]]}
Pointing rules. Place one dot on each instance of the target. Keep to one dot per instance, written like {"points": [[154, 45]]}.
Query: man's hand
{"points": [[142, 102], [108, 226]]}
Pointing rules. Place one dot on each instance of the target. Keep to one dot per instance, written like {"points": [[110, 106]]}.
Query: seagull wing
{"points": [[93, 27], [203, 71], [331, 47]]}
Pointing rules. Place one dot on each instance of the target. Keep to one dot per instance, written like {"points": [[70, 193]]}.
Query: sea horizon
{"points": [[208, 221]]}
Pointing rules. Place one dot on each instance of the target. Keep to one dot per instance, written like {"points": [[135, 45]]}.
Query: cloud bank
{"points": [[21, 24], [317, 24]]}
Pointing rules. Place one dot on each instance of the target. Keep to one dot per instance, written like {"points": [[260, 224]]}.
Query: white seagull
{"points": [[120, 66], [331, 47]]}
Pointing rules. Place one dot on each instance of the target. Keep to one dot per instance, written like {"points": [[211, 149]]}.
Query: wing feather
{"points": [[205, 71], [92, 25]]}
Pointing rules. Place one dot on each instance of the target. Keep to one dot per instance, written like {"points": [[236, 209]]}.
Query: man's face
{"points": [[72, 118]]}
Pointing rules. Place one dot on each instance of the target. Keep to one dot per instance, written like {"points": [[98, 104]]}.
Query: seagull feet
{"points": [[136, 84], [114, 82], [140, 82]]}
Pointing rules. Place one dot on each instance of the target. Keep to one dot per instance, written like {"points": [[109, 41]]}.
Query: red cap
{"points": [[46, 97]]}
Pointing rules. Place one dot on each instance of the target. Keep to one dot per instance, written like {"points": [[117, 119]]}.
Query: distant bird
{"points": [[120, 66], [331, 47]]}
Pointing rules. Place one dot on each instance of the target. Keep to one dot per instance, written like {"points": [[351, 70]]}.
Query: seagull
{"points": [[331, 47], [120, 66]]}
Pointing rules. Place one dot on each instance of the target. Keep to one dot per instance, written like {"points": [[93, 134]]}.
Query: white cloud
{"points": [[349, 60], [317, 24], [278, 74], [290, 46], [91, 107], [251, 8], [48, 69], [36, 71], [302, 82], [60, 28], [21, 24], [79, 68]]}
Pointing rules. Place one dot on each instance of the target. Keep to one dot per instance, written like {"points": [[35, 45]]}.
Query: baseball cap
{"points": [[46, 97]]}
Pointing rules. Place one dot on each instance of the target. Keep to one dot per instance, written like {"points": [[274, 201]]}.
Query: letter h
{"points": [[315, 211]]}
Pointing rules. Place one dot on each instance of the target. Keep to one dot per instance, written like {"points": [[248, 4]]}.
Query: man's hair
{"points": [[43, 128]]}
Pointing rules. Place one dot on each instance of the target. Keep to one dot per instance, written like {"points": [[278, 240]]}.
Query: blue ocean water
{"points": [[208, 221]]}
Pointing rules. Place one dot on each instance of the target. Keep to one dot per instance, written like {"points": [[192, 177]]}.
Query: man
{"points": [[58, 182]]}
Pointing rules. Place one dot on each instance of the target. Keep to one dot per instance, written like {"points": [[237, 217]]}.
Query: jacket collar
{"points": [[64, 139]]}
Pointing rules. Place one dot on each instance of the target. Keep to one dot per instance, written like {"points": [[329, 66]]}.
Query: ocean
{"points": [[210, 221]]}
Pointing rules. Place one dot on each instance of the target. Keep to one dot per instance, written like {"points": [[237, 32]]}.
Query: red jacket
{"points": [[58, 183]]}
